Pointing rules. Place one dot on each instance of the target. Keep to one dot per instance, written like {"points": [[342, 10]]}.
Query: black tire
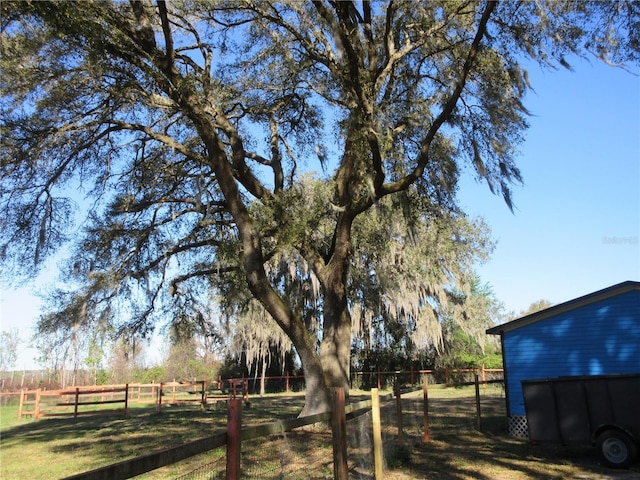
{"points": [[616, 449]]}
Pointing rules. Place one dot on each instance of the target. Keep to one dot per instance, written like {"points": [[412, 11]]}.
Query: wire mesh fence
{"points": [[295, 455], [299, 454], [212, 470], [360, 446]]}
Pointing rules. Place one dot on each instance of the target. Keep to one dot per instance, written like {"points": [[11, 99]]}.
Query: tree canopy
{"points": [[171, 144]]}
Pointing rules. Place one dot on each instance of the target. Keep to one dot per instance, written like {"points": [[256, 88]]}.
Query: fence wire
{"points": [[213, 470], [360, 445], [303, 453], [300, 454]]}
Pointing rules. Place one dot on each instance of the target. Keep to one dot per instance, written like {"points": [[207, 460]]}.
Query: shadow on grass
{"points": [[457, 450]]}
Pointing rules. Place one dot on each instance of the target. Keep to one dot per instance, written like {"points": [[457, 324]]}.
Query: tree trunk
{"points": [[317, 397], [335, 349]]}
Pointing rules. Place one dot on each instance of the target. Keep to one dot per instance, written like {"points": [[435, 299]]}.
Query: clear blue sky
{"points": [[576, 224]]}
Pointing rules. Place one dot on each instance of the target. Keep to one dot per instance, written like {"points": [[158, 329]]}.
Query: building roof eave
{"points": [[599, 295]]}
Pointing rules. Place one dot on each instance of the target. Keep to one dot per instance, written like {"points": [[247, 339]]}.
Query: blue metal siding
{"points": [[600, 338]]}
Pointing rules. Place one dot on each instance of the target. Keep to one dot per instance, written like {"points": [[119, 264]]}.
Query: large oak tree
{"points": [[186, 127]]}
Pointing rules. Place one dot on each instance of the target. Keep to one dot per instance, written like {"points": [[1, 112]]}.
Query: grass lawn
{"points": [[57, 447]]}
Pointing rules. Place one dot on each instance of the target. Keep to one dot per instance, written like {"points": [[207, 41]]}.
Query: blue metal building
{"points": [[595, 334]]}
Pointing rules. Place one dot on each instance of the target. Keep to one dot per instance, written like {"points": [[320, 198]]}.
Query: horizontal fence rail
{"points": [[70, 402], [152, 461]]}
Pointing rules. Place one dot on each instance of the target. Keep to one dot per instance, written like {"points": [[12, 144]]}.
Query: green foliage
{"points": [[154, 374], [493, 360], [463, 344], [541, 304], [102, 377], [463, 351]]}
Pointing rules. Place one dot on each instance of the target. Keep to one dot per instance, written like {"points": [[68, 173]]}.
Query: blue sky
{"points": [[576, 223]]}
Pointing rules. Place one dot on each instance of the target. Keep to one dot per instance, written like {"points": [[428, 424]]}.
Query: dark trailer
{"points": [[601, 410]]}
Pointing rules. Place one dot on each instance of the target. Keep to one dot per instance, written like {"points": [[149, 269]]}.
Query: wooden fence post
{"points": [[399, 413], [75, 406], [37, 406], [234, 437], [21, 403], [478, 416], [126, 399], [425, 396], [339, 435], [377, 434]]}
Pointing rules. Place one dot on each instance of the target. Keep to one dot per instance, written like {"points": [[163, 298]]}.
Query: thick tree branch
{"points": [[218, 270], [166, 30], [444, 115]]}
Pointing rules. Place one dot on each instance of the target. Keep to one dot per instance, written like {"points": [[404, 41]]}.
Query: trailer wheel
{"points": [[616, 449]]}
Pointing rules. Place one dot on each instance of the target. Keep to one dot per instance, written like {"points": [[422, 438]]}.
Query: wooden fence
{"points": [[40, 403], [144, 392], [412, 377], [182, 392], [377, 378], [235, 434], [71, 402], [74, 401]]}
